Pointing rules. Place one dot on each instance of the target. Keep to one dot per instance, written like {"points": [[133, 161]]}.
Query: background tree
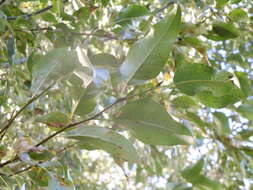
{"points": [[125, 94]]}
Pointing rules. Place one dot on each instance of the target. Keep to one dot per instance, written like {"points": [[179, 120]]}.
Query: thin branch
{"points": [[107, 35], [57, 154], [25, 16], [2, 2], [164, 7], [9, 161], [21, 171], [12, 119], [95, 116], [81, 122]]}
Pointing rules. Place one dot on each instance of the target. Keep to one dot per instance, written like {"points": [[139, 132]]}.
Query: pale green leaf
{"points": [[246, 111], [149, 122], [53, 66], [148, 55], [222, 123], [213, 88], [58, 183], [133, 11], [104, 60], [106, 139], [193, 175], [184, 102]]}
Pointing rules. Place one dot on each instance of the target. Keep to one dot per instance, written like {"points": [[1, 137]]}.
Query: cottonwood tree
{"points": [[124, 94]]}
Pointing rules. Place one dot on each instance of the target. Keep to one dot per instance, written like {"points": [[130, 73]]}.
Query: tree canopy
{"points": [[126, 94]]}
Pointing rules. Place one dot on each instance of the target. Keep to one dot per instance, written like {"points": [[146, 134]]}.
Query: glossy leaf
{"points": [[148, 55], [106, 139], [152, 124]]}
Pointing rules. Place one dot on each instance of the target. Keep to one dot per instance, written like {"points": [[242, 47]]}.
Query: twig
{"points": [[93, 117], [2, 2], [32, 14], [108, 35], [9, 161], [80, 122], [164, 7], [12, 119], [21, 171], [57, 154]]}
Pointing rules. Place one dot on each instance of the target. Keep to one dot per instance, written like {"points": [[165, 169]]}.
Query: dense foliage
{"points": [[126, 94]]}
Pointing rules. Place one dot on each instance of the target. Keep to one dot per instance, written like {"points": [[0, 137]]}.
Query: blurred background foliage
{"points": [[177, 74]]}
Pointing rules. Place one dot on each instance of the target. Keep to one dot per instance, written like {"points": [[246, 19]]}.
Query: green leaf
{"points": [[32, 60], [53, 66], [209, 99], [49, 17], [11, 50], [133, 11], [194, 176], [245, 134], [222, 123], [237, 59], [192, 78], [85, 105], [82, 13], [38, 176], [148, 55], [106, 139], [246, 110], [41, 156], [226, 30], [237, 14], [58, 183], [83, 99], [244, 82], [196, 119], [184, 102], [54, 119], [191, 173], [214, 89], [221, 3], [150, 123], [104, 60]]}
